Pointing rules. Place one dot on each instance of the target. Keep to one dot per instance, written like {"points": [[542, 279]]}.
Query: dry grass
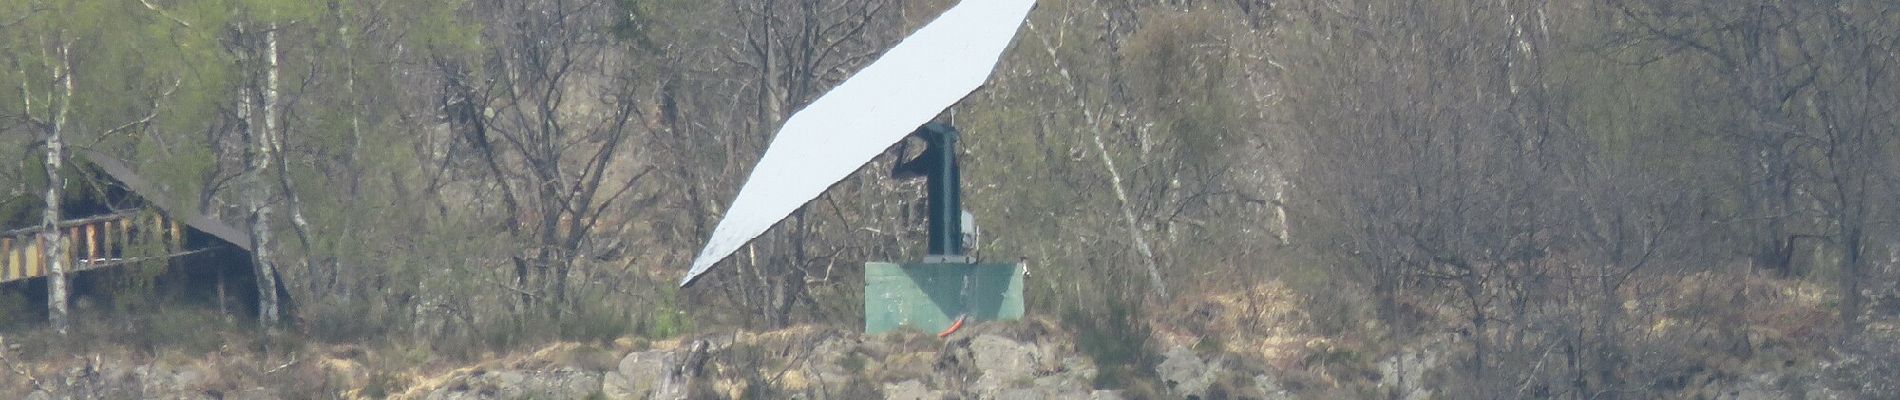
{"points": [[1267, 321]]}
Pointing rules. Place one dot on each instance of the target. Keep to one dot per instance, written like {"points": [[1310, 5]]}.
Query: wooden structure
{"points": [[133, 225], [96, 242]]}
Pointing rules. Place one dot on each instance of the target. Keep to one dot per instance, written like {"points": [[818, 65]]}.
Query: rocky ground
{"points": [[1253, 345], [1021, 360], [991, 361]]}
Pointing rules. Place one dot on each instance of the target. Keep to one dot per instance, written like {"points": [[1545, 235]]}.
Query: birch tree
{"points": [[54, 103], [254, 39], [68, 65], [260, 108]]}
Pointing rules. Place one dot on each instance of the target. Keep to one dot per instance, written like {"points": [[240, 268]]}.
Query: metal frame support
{"points": [[945, 202]]}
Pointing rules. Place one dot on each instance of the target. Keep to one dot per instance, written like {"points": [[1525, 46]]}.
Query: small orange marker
{"points": [[954, 326]]}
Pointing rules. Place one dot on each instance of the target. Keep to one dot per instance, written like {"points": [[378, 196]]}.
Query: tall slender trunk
{"points": [[1115, 178], [352, 102], [1128, 213], [1474, 291], [53, 243], [50, 235], [267, 272], [257, 190], [298, 224], [355, 106], [1852, 238], [1609, 352], [1279, 184], [277, 139]]}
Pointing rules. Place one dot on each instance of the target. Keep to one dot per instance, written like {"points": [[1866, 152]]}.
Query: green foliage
{"points": [[853, 363], [15, 310], [383, 383], [191, 331], [132, 289], [651, 25], [1118, 338], [437, 25], [664, 319], [350, 319], [1181, 69], [597, 321], [758, 388]]}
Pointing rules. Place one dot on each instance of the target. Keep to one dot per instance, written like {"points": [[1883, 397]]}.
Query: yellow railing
{"points": [[91, 243]]}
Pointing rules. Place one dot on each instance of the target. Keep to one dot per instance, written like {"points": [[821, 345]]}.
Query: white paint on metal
{"points": [[823, 143]]}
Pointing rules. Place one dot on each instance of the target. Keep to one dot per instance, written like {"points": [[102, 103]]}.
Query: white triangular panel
{"points": [[823, 143]]}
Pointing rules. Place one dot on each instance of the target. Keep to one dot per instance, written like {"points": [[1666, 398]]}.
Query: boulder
{"points": [[559, 383], [1003, 363], [912, 390], [1185, 374], [645, 375]]}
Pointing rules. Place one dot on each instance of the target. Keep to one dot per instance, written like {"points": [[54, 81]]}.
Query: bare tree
{"points": [[1852, 58], [1435, 138], [1741, 43], [1810, 82], [549, 118], [1094, 119], [773, 57]]}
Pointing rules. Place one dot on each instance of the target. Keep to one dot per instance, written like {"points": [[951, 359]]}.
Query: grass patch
{"points": [[1118, 340]]}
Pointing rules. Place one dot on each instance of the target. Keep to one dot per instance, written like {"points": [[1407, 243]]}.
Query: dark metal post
{"points": [[946, 190]]}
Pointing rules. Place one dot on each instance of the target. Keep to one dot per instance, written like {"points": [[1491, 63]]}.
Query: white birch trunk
{"points": [[54, 252], [258, 125], [1128, 213], [1279, 207], [260, 224], [1089, 118], [298, 223]]}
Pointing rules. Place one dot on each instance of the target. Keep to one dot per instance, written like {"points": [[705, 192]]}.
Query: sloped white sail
{"points": [[833, 136]]}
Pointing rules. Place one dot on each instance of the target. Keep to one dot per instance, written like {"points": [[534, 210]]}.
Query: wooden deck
{"points": [[93, 242]]}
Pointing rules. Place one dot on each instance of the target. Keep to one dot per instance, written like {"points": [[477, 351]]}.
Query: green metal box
{"points": [[929, 297]]}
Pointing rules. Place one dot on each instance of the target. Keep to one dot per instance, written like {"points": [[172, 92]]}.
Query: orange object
{"points": [[954, 326]]}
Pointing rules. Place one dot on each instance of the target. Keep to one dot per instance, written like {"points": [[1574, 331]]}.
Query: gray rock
{"points": [[1066, 381], [1760, 387], [1041, 393], [1405, 372], [1020, 394], [819, 373], [996, 355], [911, 390], [254, 394], [645, 375], [440, 394], [1003, 364], [563, 383], [158, 380], [1271, 388], [1185, 374]]}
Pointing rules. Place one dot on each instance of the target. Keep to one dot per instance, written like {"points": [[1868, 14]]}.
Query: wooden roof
{"points": [[157, 197]]}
